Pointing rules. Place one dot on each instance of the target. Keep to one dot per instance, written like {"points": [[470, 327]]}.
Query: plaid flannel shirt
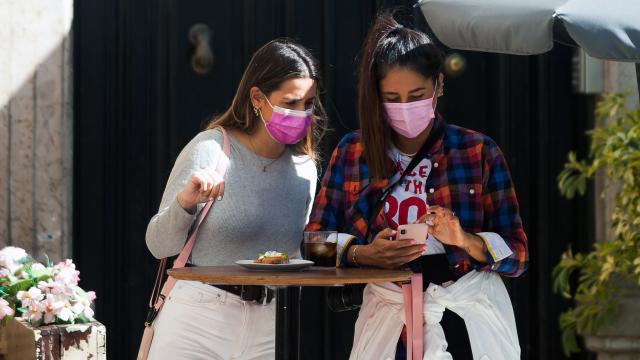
{"points": [[469, 176]]}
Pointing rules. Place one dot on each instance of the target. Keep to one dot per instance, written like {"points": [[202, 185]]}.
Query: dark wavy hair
{"points": [[270, 66], [388, 45]]}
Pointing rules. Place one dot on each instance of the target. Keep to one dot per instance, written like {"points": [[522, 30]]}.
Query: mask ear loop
{"points": [[258, 111], [268, 102], [435, 92]]}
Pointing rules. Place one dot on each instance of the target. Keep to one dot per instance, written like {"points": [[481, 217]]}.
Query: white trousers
{"points": [[199, 321]]}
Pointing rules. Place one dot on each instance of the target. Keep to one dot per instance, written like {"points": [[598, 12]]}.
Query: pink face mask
{"points": [[410, 119], [287, 126]]}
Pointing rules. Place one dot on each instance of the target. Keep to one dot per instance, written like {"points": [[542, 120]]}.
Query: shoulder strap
{"points": [[157, 299], [420, 155]]}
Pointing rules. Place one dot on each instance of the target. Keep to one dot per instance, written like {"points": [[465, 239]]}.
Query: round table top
{"points": [[313, 276]]}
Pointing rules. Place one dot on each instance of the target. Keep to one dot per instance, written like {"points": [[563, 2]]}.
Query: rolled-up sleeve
{"points": [[502, 223]]}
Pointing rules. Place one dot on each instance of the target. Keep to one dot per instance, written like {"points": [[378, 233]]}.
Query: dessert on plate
{"points": [[272, 257]]}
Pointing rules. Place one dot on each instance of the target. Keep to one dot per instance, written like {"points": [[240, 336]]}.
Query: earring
{"points": [[256, 111]]}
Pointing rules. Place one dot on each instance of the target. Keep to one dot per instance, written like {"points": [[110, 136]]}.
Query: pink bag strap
{"points": [[188, 247], [413, 303]]}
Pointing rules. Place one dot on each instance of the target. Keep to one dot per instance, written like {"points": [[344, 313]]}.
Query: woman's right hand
{"points": [[389, 254], [202, 186]]}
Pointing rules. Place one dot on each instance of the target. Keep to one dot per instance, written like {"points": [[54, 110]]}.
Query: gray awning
{"points": [[608, 29]]}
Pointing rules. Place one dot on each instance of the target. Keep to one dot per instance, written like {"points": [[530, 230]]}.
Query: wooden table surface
{"points": [[313, 276]]}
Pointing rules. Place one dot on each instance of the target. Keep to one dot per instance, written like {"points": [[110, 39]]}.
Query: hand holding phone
{"points": [[417, 232]]}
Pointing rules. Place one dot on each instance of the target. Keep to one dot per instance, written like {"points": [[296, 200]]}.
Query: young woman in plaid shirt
{"points": [[461, 187]]}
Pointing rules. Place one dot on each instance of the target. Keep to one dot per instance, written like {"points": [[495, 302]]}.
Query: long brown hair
{"points": [[388, 44], [270, 66]]}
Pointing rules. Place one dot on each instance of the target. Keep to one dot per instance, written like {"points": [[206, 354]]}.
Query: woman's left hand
{"points": [[446, 225], [446, 229]]}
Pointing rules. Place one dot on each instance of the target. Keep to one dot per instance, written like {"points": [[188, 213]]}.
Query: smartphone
{"points": [[417, 232]]}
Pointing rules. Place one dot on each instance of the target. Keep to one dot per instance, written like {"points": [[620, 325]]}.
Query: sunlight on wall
{"points": [[29, 32], [35, 125]]}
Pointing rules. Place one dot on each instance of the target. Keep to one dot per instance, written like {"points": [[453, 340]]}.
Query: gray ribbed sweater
{"points": [[260, 210]]}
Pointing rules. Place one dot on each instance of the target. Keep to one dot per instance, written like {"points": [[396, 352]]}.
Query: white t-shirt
{"points": [[408, 201]]}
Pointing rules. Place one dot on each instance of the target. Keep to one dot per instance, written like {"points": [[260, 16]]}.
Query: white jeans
{"points": [[199, 321]]}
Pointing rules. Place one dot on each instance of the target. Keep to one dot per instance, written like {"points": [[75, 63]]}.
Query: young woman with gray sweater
{"points": [[263, 203]]}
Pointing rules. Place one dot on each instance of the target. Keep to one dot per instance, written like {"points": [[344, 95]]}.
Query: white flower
{"points": [[31, 297], [37, 268], [52, 307], [51, 287], [11, 257], [6, 277], [66, 312], [83, 305], [4, 273], [66, 273], [34, 312], [5, 309]]}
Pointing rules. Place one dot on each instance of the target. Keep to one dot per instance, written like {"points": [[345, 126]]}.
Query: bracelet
{"points": [[354, 257]]}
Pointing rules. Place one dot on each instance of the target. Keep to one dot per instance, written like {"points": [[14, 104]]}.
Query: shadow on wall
{"points": [[36, 127]]}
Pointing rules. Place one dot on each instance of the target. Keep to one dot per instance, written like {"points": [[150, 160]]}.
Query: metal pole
{"points": [[298, 327], [638, 78], [282, 325], [288, 323]]}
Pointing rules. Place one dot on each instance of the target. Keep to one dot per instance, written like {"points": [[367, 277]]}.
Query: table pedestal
{"points": [[288, 323]]}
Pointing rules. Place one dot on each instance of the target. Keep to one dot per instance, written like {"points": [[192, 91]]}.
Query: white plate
{"points": [[293, 265]]}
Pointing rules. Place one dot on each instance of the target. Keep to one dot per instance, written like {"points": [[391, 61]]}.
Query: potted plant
{"points": [[608, 277], [44, 313]]}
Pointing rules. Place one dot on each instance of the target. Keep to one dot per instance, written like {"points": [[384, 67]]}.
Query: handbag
{"points": [[161, 291]]}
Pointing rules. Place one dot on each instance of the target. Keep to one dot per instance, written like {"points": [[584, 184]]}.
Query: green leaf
{"points": [[19, 285], [569, 342], [42, 274], [81, 319], [80, 291], [567, 322], [44, 278]]}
